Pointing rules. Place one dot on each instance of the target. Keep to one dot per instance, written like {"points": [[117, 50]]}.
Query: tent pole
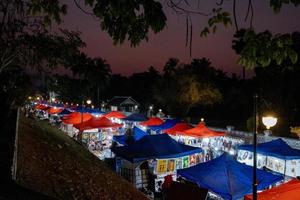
{"points": [[284, 168], [255, 113]]}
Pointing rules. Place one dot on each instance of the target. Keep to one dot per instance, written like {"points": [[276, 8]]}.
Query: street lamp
{"points": [[255, 127], [269, 121], [88, 101]]}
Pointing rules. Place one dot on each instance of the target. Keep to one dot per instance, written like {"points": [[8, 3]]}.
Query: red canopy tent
{"points": [[153, 121], [286, 191], [178, 128], [114, 114], [76, 118], [71, 115], [40, 106], [54, 110], [201, 131], [95, 122]]}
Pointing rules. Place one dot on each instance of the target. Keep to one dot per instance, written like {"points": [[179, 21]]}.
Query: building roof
{"points": [[122, 100]]}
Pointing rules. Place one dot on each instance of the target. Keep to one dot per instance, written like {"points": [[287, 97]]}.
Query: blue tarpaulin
{"points": [[169, 123], [276, 148], [65, 112], [88, 110], [136, 117], [154, 147], [227, 177], [137, 134]]}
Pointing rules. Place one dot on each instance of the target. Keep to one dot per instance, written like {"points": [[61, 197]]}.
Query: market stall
{"points": [[97, 134], [212, 142], [227, 178], [134, 119], [169, 123], [149, 159], [182, 126], [276, 155], [137, 134], [72, 119], [115, 116], [287, 191], [153, 121]]}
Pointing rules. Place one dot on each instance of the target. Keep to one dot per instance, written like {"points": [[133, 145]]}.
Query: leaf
{"points": [[204, 32], [293, 56]]}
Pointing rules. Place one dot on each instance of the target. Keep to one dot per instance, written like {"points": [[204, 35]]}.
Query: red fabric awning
{"points": [[76, 118], [71, 115], [286, 191], [40, 106], [201, 131], [177, 128], [95, 122], [54, 110], [114, 114], [153, 121]]}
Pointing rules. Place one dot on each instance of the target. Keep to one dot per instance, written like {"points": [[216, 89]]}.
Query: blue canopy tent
{"points": [[135, 117], [89, 110], [276, 148], [154, 147], [64, 112], [137, 135], [169, 123], [59, 105], [227, 177]]}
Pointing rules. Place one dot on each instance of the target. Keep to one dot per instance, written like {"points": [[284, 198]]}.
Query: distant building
{"points": [[124, 104]]}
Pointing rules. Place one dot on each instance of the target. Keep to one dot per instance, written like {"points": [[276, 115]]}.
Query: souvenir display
{"points": [[185, 161], [171, 165], [192, 160], [178, 163], [161, 166]]}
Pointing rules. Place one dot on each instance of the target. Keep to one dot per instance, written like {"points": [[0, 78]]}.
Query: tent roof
{"points": [[289, 190], [88, 110], [122, 100], [153, 121], [178, 127], [137, 135], [169, 123], [40, 106], [54, 110], [96, 122], [115, 114], [227, 177], [76, 118], [276, 148], [201, 131], [65, 112], [136, 117], [154, 147]]}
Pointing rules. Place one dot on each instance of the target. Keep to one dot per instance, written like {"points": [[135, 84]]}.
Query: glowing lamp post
{"points": [[88, 101], [269, 121]]}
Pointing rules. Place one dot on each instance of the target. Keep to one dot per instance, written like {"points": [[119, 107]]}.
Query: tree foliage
{"points": [[260, 49]]}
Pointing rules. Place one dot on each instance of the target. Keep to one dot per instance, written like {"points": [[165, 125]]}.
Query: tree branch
{"points": [[234, 15]]}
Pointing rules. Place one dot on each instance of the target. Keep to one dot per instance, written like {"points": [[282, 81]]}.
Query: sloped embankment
{"points": [[52, 163]]}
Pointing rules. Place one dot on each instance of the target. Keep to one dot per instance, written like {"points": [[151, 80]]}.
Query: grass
{"points": [[51, 162]]}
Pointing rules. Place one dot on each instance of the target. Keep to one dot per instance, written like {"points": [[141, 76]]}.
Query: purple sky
{"points": [[171, 41]]}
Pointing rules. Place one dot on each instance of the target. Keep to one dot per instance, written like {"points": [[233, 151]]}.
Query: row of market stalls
{"points": [[275, 155], [147, 150]]}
